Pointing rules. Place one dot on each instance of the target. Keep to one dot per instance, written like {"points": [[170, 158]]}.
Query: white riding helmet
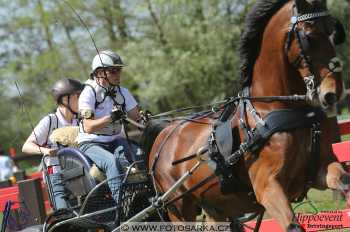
{"points": [[106, 59]]}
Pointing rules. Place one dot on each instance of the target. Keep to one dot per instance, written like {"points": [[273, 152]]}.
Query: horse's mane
{"points": [[251, 38], [150, 133], [155, 126]]}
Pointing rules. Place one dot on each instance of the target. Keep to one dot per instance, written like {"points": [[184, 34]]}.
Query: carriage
{"points": [[91, 205]]}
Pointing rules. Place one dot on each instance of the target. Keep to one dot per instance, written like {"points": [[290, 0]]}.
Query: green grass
{"points": [[320, 201]]}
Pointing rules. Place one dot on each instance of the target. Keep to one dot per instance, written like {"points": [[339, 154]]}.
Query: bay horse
{"points": [[287, 49]]}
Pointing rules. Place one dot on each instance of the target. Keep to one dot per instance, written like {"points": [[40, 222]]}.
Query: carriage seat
{"points": [[81, 174], [76, 171]]}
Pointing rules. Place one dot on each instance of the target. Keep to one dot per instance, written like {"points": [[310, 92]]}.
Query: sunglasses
{"points": [[113, 70]]}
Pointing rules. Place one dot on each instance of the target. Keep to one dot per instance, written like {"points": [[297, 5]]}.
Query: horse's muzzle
{"points": [[329, 92], [328, 103]]}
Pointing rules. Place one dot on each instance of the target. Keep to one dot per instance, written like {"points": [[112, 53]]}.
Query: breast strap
{"points": [[276, 121]]}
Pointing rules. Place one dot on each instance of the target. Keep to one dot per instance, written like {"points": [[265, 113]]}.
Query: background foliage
{"points": [[179, 52]]}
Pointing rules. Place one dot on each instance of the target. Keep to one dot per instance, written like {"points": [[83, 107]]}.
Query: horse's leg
{"points": [[332, 174], [277, 205], [184, 210], [274, 161], [174, 217]]}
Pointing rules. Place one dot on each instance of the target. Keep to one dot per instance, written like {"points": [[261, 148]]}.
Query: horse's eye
{"points": [[308, 25], [310, 28]]}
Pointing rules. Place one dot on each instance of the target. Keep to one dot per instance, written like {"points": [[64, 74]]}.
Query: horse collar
{"points": [[275, 121]]}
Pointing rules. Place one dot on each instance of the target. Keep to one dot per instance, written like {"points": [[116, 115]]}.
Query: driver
{"points": [[102, 105]]}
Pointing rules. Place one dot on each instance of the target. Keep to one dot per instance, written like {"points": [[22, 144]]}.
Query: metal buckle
{"points": [[310, 86]]}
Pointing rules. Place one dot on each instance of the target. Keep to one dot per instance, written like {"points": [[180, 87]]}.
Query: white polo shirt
{"points": [[43, 131], [87, 101]]}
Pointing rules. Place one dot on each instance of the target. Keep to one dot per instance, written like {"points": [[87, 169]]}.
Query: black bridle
{"points": [[303, 60]]}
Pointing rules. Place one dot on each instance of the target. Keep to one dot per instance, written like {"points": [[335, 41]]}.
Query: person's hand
{"points": [[117, 114], [145, 116], [50, 151]]}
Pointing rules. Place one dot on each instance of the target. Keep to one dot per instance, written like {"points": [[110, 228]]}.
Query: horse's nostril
{"points": [[330, 98]]}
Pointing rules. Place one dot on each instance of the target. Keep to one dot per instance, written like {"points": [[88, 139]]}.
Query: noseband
{"points": [[335, 65]]}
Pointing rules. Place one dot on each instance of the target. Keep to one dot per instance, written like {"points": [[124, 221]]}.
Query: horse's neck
{"points": [[272, 74], [274, 77]]}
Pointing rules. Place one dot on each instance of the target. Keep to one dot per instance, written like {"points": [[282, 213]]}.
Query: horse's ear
{"points": [[306, 6], [338, 36], [303, 6]]}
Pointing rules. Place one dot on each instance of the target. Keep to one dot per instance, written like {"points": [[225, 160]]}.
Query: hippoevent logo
{"points": [[325, 220]]}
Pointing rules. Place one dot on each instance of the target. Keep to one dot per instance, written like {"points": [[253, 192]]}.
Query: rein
{"points": [[184, 109], [222, 104]]}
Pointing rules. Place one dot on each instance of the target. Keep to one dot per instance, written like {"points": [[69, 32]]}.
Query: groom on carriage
{"points": [[65, 92]]}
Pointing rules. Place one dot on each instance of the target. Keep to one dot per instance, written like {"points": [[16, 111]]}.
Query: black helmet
{"points": [[65, 87]]}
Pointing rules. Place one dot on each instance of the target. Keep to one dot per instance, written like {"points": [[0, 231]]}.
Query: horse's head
{"points": [[310, 48]]}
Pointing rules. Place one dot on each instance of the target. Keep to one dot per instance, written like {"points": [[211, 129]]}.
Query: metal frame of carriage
{"points": [[88, 219]]}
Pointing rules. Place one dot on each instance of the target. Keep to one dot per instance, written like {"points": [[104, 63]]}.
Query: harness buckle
{"points": [[234, 157], [310, 86]]}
